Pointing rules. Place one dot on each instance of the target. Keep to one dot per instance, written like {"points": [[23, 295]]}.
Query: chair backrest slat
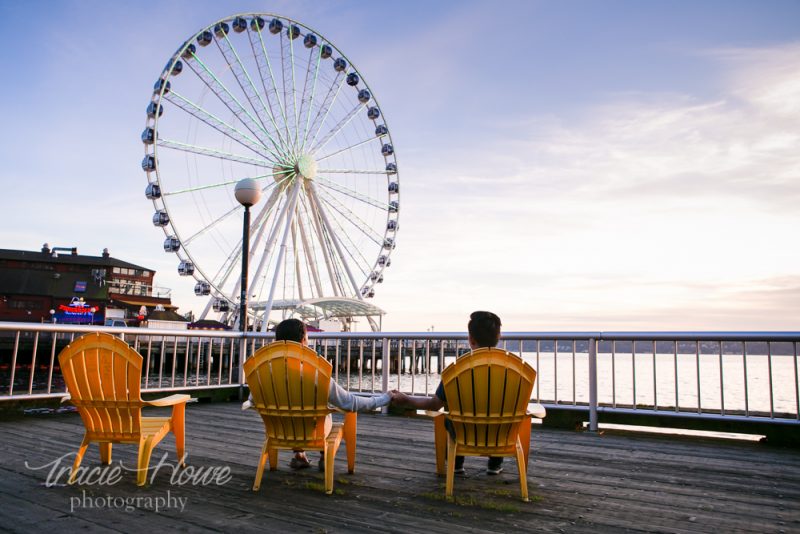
{"points": [[103, 376], [487, 392], [289, 384]]}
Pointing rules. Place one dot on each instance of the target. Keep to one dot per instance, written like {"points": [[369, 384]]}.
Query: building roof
{"points": [[40, 256]]}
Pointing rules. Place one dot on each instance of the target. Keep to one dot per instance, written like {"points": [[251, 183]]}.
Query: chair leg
{"points": [[330, 454], [451, 467], [260, 470], [439, 443], [525, 437], [105, 453], [78, 459], [179, 429], [273, 458], [350, 440], [523, 472], [145, 450]]}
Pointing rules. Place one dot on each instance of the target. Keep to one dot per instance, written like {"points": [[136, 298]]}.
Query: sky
{"points": [[615, 165]]}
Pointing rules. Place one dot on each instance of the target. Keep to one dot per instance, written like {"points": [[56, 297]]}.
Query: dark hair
{"points": [[290, 330], [484, 327]]}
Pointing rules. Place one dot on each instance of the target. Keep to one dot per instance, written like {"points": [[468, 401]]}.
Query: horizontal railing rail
{"points": [[727, 376]]}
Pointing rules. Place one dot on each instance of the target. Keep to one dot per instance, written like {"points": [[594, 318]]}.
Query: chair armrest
{"points": [[169, 401], [536, 410]]}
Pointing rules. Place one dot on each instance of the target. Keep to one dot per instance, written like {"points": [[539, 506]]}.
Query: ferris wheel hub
{"points": [[306, 166]]}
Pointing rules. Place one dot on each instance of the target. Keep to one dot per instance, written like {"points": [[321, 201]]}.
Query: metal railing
{"points": [[751, 375]]}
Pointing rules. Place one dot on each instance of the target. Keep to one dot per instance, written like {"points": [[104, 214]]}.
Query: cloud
{"points": [[657, 210]]}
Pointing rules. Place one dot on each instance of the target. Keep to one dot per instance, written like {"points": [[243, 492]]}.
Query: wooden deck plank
{"points": [[579, 483]]}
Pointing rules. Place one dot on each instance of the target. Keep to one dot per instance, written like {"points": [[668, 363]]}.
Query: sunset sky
{"points": [[617, 165]]}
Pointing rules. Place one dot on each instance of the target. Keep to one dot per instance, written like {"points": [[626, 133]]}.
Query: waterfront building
{"points": [[59, 285]]}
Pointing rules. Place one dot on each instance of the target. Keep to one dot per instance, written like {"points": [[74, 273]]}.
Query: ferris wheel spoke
{"points": [[354, 219], [232, 103], [325, 246], [248, 87], [224, 216], [352, 171], [337, 128], [206, 228], [352, 244], [351, 193], [310, 262], [324, 109], [265, 67], [257, 230], [337, 245], [294, 93], [298, 275], [270, 242], [285, 174], [287, 72], [313, 92], [345, 149], [291, 203], [210, 152], [224, 128]]}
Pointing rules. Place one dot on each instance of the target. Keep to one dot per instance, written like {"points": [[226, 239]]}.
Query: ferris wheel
{"points": [[265, 97]]}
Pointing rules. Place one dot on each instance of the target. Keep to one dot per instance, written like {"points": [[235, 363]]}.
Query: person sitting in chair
{"points": [[338, 397], [484, 331]]}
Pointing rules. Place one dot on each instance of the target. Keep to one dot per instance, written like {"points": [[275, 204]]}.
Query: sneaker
{"points": [[247, 405], [299, 463], [495, 466], [459, 467]]}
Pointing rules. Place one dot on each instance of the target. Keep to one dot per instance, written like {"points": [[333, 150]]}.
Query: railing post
{"points": [[385, 356], [592, 385]]}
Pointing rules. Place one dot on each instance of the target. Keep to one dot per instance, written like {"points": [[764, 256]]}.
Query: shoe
{"points": [[495, 466], [247, 405], [459, 467], [299, 463]]}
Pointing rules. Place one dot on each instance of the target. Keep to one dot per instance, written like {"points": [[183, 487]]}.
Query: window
{"points": [[23, 304]]}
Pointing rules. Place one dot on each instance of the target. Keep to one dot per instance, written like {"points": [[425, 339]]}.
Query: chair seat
{"points": [[466, 450], [155, 425]]}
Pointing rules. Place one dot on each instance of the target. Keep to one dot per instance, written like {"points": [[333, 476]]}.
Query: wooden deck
{"points": [[579, 483]]}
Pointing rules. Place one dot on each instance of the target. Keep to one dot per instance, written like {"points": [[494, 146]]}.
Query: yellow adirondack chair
{"points": [[289, 384], [488, 391], [103, 376]]}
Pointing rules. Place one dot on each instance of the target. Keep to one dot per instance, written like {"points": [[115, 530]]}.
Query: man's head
{"points": [[484, 329], [291, 330]]}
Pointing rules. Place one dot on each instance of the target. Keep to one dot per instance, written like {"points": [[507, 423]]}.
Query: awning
{"points": [[325, 307]]}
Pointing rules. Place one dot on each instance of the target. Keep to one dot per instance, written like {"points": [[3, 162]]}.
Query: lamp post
{"points": [[248, 194]]}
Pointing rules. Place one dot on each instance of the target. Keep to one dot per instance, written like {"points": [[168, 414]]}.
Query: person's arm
{"points": [[343, 399], [419, 403]]}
